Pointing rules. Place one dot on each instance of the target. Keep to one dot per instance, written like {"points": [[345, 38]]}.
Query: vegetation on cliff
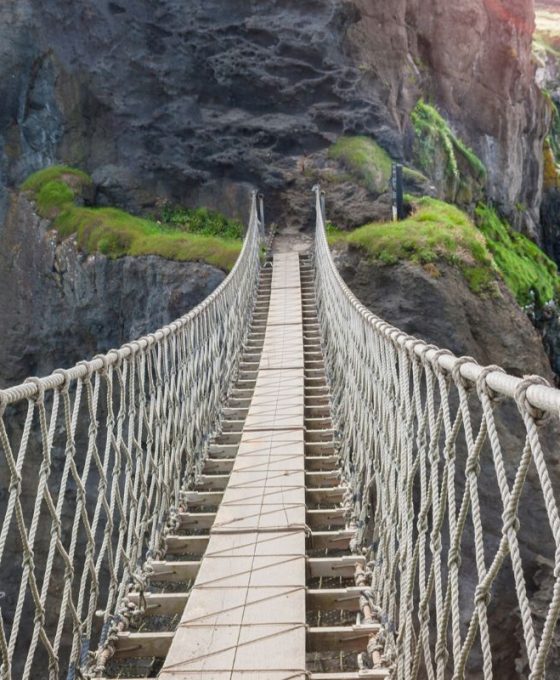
{"points": [[437, 231], [434, 231], [445, 157], [527, 271], [185, 235], [366, 162]]}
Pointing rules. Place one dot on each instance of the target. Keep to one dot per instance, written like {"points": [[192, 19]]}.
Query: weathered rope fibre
{"points": [[92, 463], [452, 468]]}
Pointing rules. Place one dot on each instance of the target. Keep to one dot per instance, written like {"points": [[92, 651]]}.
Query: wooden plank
{"points": [[186, 545], [340, 638], [218, 466], [327, 599], [197, 499], [162, 604], [325, 519], [321, 463], [142, 645], [322, 478], [341, 567], [328, 495], [174, 572], [331, 540], [196, 520], [212, 482]]}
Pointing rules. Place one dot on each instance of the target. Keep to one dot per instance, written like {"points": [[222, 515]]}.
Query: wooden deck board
{"points": [[245, 617]]}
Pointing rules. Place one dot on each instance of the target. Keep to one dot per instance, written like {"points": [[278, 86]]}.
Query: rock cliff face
{"points": [[194, 100], [59, 306]]}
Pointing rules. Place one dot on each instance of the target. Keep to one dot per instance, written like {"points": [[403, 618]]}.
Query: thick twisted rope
{"points": [[416, 426], [93, 460]]}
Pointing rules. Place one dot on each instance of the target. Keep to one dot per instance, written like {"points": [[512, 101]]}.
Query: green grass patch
{"points": [[435, 231], [526, 270], [116, 233], [201, 221], [365, 160], [436, 145]]}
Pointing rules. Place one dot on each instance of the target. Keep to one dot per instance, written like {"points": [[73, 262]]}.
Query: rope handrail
{"points": [[451, 467], [93, 463]]}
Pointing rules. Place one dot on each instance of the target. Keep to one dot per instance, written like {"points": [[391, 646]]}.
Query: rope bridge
{"points": [[95, 458], [423, 438], [449, 464]]}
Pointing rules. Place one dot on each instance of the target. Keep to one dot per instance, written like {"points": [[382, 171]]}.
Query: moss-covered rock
{"points": [[365, 161], [452, 165], [435, 231], [198, 235]]}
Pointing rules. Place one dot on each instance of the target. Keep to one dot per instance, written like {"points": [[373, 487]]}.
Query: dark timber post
{"points": [[398, 192]]}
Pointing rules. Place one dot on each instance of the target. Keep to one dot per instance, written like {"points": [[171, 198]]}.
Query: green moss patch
{"points": [[526, 270], [444, 157], [435, 231], [365, 161], [116, 233]]}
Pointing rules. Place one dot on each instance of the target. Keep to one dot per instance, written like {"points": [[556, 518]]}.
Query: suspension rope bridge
{"points": [[278, 485]]}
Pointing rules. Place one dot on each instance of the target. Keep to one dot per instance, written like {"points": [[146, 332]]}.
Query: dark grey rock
{"points": [[59, 306]]}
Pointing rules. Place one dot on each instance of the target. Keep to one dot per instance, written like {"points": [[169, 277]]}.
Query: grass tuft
{"points": [[365, 160], [207, 237], [436, 144]]}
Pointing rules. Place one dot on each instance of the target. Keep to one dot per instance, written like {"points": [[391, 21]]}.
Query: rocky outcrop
{"points": [[59, 306], [474, 59], [195, 101]]}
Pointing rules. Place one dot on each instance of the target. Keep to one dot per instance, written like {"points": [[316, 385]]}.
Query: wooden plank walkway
{"points": [[245, 617]]}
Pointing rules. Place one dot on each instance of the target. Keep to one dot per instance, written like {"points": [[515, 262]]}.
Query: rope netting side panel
{"points": [[92, 462], [455, 489]]}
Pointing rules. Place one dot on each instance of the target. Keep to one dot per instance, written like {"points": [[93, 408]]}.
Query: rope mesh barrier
{"points": [[454, 492], [92, 464]]}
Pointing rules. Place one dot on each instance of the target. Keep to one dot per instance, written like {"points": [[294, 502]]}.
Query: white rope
{"points": [[415, 425], [96, 457]]}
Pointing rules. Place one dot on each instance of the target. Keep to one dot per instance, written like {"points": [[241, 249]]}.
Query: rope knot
{"points": [[439, 370], [39, 397], [482, 596], [523, 403], [65, 387], [510, 521], [454, 559], [424, 351], [89, 369], [104, 361], [482, 387], [458, 379], [115, 357]]}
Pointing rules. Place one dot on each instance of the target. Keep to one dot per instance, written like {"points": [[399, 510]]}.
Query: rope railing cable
{"points": [[452, 471], [93, 462]]}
